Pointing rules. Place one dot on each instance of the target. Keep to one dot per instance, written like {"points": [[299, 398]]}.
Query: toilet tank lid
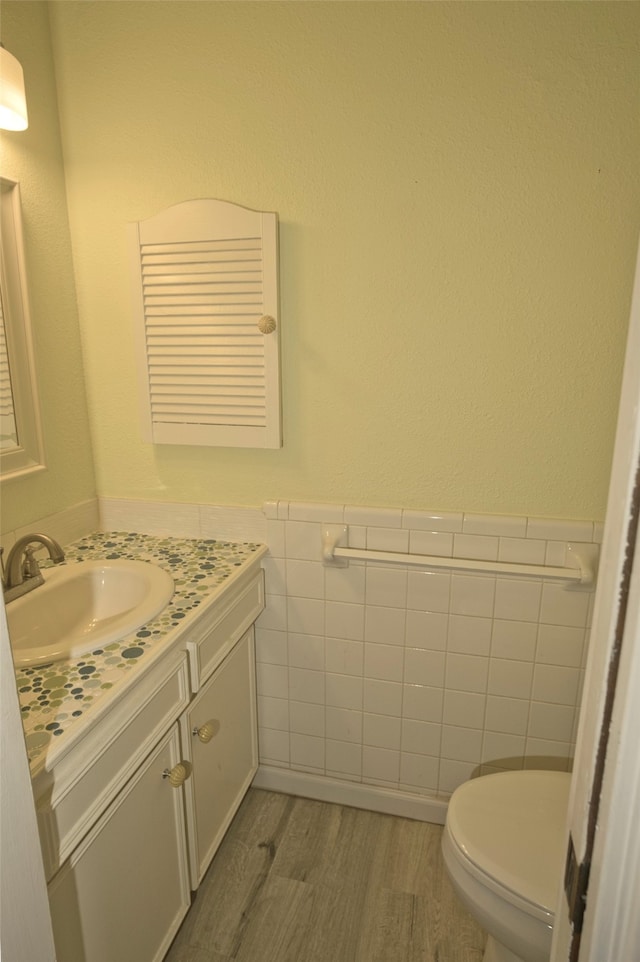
{"points": [[511, 826]]}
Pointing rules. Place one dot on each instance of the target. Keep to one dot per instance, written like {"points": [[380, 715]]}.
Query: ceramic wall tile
{"points": [[552, 530], [344, 724], [304, 579], [395, 675], [461, 744], [274, 746], [438, 543], [344, 691], [385, 626], [510, 678], [507, 715], [310, 511], [421, 738], [344, 657], [429, 591], [386, 587], [472, 595], [518, 599], [380, 764], [306, 651], [303, 540], [381, 731], [449, 521], [382, 697], [273, 713], [271, 646], [306, 615], [344, 758], [475, 546], [426, 629], [387, 539], [345, 584], [343, 620], [514, 639], [422, 703], [384, 662], [528, 551], [423, 667], [306, 719], [419, 772], [464, 708], [469, 635]]}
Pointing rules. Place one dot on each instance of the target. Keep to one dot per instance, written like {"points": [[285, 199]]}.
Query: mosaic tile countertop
{"points": [[54, 696]]}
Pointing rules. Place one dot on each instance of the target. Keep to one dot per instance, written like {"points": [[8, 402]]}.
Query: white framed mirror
{"points": [[21, 444]]}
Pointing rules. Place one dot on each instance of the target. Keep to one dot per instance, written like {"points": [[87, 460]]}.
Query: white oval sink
{"points": [[85, 606]]}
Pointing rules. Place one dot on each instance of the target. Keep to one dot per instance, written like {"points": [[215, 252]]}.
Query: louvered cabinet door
{"points": [[206, 302]]}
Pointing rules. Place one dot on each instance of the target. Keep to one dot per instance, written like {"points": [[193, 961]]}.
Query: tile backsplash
{"points": [[414, 679], [389, 678]]}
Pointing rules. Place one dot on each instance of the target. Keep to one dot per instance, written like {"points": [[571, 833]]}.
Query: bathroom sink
{"points": [[85, 606]]}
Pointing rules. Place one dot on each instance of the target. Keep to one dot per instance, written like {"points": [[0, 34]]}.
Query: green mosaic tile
{"points": [[52, 697]]}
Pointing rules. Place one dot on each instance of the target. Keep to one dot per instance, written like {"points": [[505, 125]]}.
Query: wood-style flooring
{"points": [[304, 881]]}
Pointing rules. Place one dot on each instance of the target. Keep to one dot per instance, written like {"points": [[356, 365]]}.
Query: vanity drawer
{"points": [[239, 613], [91, 776]]}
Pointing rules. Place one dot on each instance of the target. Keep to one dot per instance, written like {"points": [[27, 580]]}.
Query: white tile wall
{"points": [[65, 526], [180, 520], [401, 678], [411, 679]]}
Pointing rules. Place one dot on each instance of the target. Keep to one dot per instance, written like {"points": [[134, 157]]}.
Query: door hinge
{"points": [[576, 880]]}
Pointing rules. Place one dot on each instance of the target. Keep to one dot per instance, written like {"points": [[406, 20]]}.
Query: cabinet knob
{"points": [[177, 775], [206, 732], [267, 324]]}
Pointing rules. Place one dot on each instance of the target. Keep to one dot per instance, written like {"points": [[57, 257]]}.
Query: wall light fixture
{"points": [[13, 103]]}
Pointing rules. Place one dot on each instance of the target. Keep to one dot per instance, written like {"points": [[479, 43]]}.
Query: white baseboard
{"points": [[355, 794]]}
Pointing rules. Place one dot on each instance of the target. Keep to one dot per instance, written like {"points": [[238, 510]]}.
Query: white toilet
{"points": [[504, 848]]}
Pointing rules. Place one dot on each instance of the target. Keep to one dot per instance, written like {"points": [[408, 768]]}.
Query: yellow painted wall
{"points": [[34, 159], [458, 199]]}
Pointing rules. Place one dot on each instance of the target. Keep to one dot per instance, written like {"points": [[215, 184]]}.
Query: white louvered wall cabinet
{"points": [[206, 301]]}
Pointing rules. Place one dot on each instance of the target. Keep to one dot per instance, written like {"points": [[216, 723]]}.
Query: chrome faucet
{"points": [[22, 569]]}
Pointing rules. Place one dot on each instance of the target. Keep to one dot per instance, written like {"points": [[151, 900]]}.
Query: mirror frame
{"points": [[28, 456]]}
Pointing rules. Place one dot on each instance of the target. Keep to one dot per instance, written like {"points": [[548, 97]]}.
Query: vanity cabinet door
{"points": [[220, 726], [125, 889]]}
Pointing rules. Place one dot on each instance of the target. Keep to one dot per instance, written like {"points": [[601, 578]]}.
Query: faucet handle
{"points": [[30, 566]]}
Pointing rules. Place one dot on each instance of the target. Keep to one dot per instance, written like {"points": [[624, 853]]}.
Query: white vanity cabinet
{"points": [[219, 728], [113, 830], [220, 739], [132, 811], [125, 889]]}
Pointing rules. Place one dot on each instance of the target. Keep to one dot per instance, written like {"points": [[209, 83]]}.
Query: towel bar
{"points": [[581, 573]]}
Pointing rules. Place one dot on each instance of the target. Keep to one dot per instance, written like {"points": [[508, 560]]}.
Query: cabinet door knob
{"points": [[177, 775], [267, 324], [206, 732]]}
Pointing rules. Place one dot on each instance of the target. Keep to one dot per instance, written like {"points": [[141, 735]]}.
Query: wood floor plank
{"points": [[277, 927], [193, 953], [414, 855], [297, 880], [237, 872], [386, 927], [307, 848]]}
